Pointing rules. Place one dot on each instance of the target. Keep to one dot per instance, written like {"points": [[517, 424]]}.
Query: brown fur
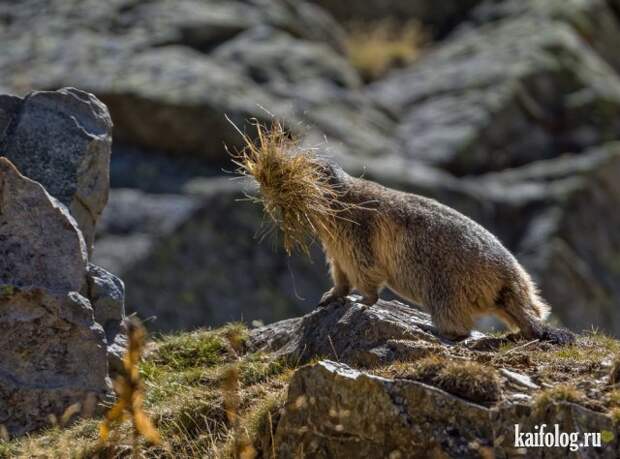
{"points": [[427, 253]]}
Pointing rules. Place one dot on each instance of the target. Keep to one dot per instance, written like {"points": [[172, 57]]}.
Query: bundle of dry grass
{"points": [[294, 191]]}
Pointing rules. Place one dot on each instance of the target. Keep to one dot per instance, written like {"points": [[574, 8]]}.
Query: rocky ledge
{"points": [[380, 382]]}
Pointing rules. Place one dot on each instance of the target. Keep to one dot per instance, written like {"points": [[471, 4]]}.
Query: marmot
{"points": [[375, 237]]}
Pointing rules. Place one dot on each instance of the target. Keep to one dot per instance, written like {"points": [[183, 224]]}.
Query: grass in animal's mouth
{"points": [[295, 191]]}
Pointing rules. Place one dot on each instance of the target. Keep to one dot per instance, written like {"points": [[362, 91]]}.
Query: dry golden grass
{"points": [[294, 190], [466, 379], [130, 394], [376, 47], [559, 393]]}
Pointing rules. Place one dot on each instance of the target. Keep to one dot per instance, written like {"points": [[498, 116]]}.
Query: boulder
{"points": [[569, 247], [419, 395], [155, 64], [62, 140], [502, 95], [596, 21], [52, 351], [214, 242], [347, 332]]}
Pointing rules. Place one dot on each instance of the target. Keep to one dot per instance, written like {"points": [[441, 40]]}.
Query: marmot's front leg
{"points": [[341, 288]]}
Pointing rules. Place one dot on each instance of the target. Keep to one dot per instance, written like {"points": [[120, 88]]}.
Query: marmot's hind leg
{"points": [[451, 322]]}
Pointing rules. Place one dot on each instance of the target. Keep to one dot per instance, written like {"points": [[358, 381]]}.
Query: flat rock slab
{"points": [[61, 139], [335, 411]]}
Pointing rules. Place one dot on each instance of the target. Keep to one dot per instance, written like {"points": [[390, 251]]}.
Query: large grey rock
{"points": [[196, 272], [62, 140], [53, 353], [134, 221], [335, 411], [596, 21], [571, 249], [154, 64], [347, 332], [502, 95], [40, 243]]}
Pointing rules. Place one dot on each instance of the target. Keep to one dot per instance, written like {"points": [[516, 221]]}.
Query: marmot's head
{"points": [[299, 190]]}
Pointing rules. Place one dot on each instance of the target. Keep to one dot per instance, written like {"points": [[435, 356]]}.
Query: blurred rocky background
{"points": [[507, 110]]}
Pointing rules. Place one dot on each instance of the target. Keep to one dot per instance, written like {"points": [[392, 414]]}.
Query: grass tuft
{"points": [[559, 393], [376, 47], [470, 380]]}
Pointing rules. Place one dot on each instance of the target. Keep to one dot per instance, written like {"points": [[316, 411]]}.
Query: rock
{"points": [[40, 244], [107, 295], [351, 333], [134, 221], [333, 410], [62, 140], [215, 246], [275, 58], [569, 248], [470, 107], [52, 352], [155, 65], [596, 21], [52, 355], [132, 211], [557, 202]]}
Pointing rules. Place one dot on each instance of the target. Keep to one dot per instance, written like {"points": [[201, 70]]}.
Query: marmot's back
{"points": [[429, 250]]}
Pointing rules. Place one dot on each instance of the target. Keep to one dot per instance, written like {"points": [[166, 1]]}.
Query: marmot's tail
{"points": [[523, 307], [542, 308]]}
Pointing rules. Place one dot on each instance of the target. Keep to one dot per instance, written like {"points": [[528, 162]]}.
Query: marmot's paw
{"points": [[331, 297], [369, 300], [559, 336]]}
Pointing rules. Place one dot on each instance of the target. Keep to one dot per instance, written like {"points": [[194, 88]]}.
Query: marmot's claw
{"points": [[559, 336]]}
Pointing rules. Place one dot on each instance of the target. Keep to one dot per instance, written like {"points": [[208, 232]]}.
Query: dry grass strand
{"points": [[129, 389]]}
